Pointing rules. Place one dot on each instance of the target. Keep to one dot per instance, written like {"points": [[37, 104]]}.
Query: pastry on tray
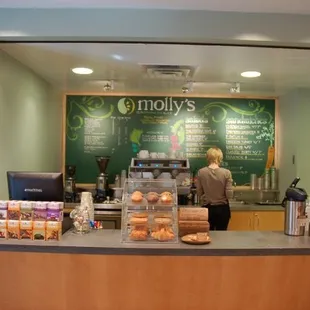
{"points": [[164, 234], [163, 215], [166, 197], [138, 220], [198, 238], [163, 220], [137, 196], [138, 235], [152, 197], [139, 214]]}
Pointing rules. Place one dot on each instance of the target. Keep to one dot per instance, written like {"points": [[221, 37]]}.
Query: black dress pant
{"points": [[219, 216]]}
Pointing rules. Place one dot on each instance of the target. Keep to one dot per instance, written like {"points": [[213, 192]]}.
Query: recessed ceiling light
{"points": [[117, 57], [251, 74], [82, 70]]}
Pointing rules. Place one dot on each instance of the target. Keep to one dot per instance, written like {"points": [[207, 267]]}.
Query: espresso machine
{"points": [[70, 189], [102, 186]]}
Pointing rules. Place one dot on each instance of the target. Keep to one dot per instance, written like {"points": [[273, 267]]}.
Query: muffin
{"points": [[137, 196], [152, 197], [166, 197]]}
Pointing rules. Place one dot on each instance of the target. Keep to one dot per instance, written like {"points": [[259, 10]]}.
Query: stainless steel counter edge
{"points": [[108, 242], [233, 207]]}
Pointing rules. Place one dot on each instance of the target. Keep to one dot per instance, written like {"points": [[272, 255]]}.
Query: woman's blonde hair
{"points": [[214, 155]]}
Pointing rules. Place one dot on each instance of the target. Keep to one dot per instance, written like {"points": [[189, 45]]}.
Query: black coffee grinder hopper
{"points": [[70, 189], [102, 186]]}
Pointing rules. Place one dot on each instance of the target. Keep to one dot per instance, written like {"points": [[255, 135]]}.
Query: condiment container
{"points": [[40, 211], [273, 178], [267, 179], [39, 230], [3, 209], [53, 231], [87, 202], [3, 229], [26, 209], [260, 183], [253, 181], [26, 230], [13, 229], [14, 210], [81, 220]]}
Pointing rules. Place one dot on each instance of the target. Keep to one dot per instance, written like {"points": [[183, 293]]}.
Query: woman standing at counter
{"points": [[214, 189]]}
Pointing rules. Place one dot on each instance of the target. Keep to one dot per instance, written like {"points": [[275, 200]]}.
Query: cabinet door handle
{"points": [[250, 222], [257, 221]]}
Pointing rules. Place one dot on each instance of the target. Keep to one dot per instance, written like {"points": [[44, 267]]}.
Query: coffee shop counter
{"points": [[237, 270]]}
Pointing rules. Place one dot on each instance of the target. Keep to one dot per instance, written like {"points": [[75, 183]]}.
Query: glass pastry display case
{"points": [[150, 211]]}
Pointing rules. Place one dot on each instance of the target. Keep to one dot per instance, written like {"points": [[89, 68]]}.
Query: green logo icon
{"points": [[126, 106]]}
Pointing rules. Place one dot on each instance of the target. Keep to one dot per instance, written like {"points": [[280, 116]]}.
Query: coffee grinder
{"points": [[102, 186], [70, 190]]}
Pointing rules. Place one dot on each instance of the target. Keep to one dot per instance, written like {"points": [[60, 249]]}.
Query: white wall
{"points": [[294, 138], [30, 122]]}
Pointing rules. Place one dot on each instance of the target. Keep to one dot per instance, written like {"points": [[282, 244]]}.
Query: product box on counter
{"points": [[3, 229], [13, 229], [26, 209], [39, 230], [53, 231], [31, 220], [14, 210], [40, 211], [26, 228], [3, 210]]}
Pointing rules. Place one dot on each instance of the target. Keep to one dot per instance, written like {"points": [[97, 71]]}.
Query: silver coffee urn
{"points": [[295, 210]]}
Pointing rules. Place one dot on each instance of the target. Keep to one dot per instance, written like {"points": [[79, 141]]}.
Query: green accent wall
{"points": [[120, 127]]}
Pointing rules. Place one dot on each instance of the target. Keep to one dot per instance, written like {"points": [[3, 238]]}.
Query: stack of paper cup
{"points": [[87, 202], [123, 178]]}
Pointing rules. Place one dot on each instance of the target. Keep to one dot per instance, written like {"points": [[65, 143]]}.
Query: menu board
{"points": [[117, 126]]}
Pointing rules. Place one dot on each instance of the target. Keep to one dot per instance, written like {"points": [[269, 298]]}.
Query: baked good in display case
{"points": [[150, 211]]}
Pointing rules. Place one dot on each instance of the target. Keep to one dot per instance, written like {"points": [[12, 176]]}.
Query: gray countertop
{"points": [[225, 243]]}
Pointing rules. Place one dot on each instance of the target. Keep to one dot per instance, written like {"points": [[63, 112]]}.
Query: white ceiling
{"points": [[261, 6], [217, 68]]}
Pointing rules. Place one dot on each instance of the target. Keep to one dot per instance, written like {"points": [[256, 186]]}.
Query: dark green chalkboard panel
{"points": [[121, 126]]}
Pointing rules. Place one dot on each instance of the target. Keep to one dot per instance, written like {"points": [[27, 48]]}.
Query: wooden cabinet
{"points": [[241, 220], [257, 220]]}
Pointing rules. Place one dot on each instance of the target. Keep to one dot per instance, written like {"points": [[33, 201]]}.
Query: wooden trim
{"points": [[277, 133], [63, 159], [171, 95]]}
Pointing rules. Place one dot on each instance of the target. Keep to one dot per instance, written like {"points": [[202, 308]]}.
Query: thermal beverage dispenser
{"points": [[295, 210]]}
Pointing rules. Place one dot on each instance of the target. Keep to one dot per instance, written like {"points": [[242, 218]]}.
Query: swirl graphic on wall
{"points": [[126, 106], [93, 107], [255, 110]]}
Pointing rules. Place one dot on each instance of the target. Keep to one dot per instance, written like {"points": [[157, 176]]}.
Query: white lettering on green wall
{"points": [[166, 105]]}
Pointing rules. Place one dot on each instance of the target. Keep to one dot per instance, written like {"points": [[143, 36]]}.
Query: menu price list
{"points": [[241, 139], [199, 137], [94, 135]]}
